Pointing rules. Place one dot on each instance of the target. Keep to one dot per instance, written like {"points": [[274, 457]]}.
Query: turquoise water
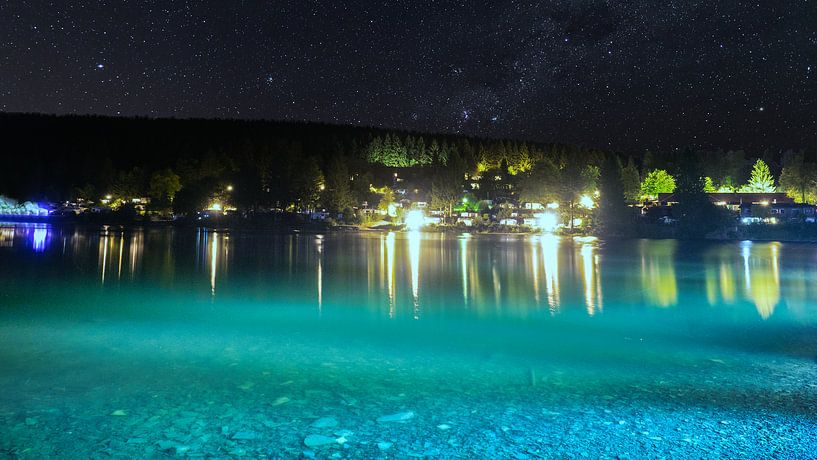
{"points": [[216, 344]]}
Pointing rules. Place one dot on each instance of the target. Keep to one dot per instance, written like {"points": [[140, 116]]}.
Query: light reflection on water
{"points": [[412, 274]]}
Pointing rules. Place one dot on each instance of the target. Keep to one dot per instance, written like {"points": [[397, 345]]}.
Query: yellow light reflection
{"points": [[658, 272], [763, 281], [719, 276], [6, 237], [592, 287], [103, 250], [121, 249], [137, 242], [464, 266]]}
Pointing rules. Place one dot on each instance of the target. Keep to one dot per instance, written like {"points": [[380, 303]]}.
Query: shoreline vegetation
{"points": [[298, 176]]}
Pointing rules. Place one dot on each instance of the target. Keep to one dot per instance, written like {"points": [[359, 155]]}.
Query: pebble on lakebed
{"points": [[398, 417], [324, 422], [317, 440]]}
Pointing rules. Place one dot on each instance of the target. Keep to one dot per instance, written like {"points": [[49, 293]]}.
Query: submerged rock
{"points": [[398, 417], [317, 440], [281, 400], [324, 422], [119, 413], [245, 435], [383, 445]]}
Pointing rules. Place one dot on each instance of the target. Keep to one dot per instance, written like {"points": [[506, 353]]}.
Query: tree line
{"points": [[182, 165]]}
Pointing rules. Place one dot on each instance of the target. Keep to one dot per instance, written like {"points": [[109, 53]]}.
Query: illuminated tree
{"points": [[799, 178], [434, 150], [709, 186], [163, 187], [761, 180], [657, 181]]}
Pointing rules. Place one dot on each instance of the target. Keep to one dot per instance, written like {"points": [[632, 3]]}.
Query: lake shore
{"points": [[784, 233]]}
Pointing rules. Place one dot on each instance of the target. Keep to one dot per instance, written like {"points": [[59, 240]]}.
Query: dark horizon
{"points": [[624, 77], [808, 148]]}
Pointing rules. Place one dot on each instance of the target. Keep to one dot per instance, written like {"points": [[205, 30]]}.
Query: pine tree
{"points": [[613, 213], [631, 181], [761, 180], [696, 213]]}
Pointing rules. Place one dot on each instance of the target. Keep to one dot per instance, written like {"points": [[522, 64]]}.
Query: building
{"points": [[734, 201]]}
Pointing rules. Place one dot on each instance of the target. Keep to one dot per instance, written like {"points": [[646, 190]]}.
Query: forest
{"points": [[257, 166]]}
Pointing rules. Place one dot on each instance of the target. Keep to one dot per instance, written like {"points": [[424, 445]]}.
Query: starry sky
{"points": [[620, 75]]}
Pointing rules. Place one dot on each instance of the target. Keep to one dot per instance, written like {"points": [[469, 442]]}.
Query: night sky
{"points": [[620, 75]]}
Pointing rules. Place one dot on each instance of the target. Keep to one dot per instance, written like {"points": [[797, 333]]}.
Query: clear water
{"points": [[163, 342]]}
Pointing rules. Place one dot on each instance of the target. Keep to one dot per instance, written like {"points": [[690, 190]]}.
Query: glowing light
{"points": [[215, 206], [392, 210], [213, 262], [229, 188], [546, 221], [39, 237], [591, 290], [415, 219], [765, 202], [586, 201], [550, 257]]}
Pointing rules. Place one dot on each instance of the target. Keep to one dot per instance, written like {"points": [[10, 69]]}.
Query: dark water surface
{"points": [[169, 342]]}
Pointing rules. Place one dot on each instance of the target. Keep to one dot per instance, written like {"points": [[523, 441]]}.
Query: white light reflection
{"points": [[550, 256], [414, 259], [319, 243], [534, 255], [592, 296], [38, 239], [746, 251], [213, 262], [390, 260]]}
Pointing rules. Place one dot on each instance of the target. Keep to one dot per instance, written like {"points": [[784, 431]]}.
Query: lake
{"points": [[218, 344]]}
